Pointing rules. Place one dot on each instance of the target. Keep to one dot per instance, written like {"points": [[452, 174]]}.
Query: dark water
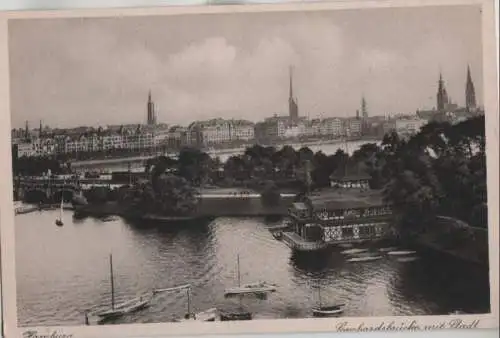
{"points": [[62, 271]]}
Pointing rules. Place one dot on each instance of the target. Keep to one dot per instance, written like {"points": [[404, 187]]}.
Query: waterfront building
{"points": [[177, 137], [271, 129], [331, 127], [242, 130], [352, 127], [210, 132], [338, 216]]}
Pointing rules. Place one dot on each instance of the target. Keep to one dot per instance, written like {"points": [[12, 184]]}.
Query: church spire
{"points": [[364, 111], [151, 117], [442, 95], [26, 130], [293, 108], [470, 92]]}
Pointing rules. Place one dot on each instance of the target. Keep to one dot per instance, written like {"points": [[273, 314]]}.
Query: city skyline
{"points": [[221, 68]]}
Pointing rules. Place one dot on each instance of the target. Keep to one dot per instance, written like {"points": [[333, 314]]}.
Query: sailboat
{"points": [[327, 311], [209, 315], [250, 288], [118, 310], [59, 221]]}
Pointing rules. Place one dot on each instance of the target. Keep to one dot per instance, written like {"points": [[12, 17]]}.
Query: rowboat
{"points": [[401, 253], [353, 251], [364, 259]]}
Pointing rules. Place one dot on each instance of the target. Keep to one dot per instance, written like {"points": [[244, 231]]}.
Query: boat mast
{"points": [[319, 295], [239, 276], [112, 282], [189, 300]]}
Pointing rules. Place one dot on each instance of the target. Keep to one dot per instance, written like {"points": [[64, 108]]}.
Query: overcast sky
{"points": [[71, 72]]}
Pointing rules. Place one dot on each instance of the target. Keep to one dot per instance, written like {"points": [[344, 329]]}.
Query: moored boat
{"points": [[278, 235], [407, 259], [209, 315], [235, 315], [388, 249], [353, 251], [328, 311], [364, 259], [401, 253], [250, 288]]}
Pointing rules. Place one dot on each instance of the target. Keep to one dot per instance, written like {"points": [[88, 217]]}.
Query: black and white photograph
{"points": [[229, 165]]}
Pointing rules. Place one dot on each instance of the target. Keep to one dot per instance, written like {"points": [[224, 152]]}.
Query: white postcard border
{"points": [[7, 234]]}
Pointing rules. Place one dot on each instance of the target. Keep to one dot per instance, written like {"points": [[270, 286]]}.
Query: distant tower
{"points": [[293, 108], [364, 111], [26, 131], [442, 95], [151, 120], [470, 93], [40, 128]]}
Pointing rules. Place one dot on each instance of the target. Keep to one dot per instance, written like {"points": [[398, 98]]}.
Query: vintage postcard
{"points": [[313, 167]]}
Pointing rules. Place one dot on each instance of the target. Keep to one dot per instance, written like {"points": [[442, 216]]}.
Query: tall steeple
{"points": [[470, 92], [364, 111], [442, 95], [151, 118], [293, 109], [40, 128], [26, 130]]}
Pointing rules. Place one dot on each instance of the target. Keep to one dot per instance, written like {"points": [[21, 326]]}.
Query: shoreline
{"points": [[214, 152]]}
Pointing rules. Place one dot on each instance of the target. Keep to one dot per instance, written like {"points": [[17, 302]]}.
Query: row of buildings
{"points": [[220, 132]]}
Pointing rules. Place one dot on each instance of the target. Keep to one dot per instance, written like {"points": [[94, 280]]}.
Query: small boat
{"points": [[364, 259], [353, 251], [392, 248], [278, 235], [407, 259], [118, 310], [458, 312], [209, 315], [345, 245], [401, 253], [59, 221], [108, 219], [250, 288], [241, 315], [327, 311]]}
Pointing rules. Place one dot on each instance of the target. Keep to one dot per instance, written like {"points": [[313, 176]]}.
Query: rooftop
{"points": [[332, 199]]}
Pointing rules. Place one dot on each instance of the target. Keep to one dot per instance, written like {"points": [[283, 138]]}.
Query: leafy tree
{"points": [[270, 195]]}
